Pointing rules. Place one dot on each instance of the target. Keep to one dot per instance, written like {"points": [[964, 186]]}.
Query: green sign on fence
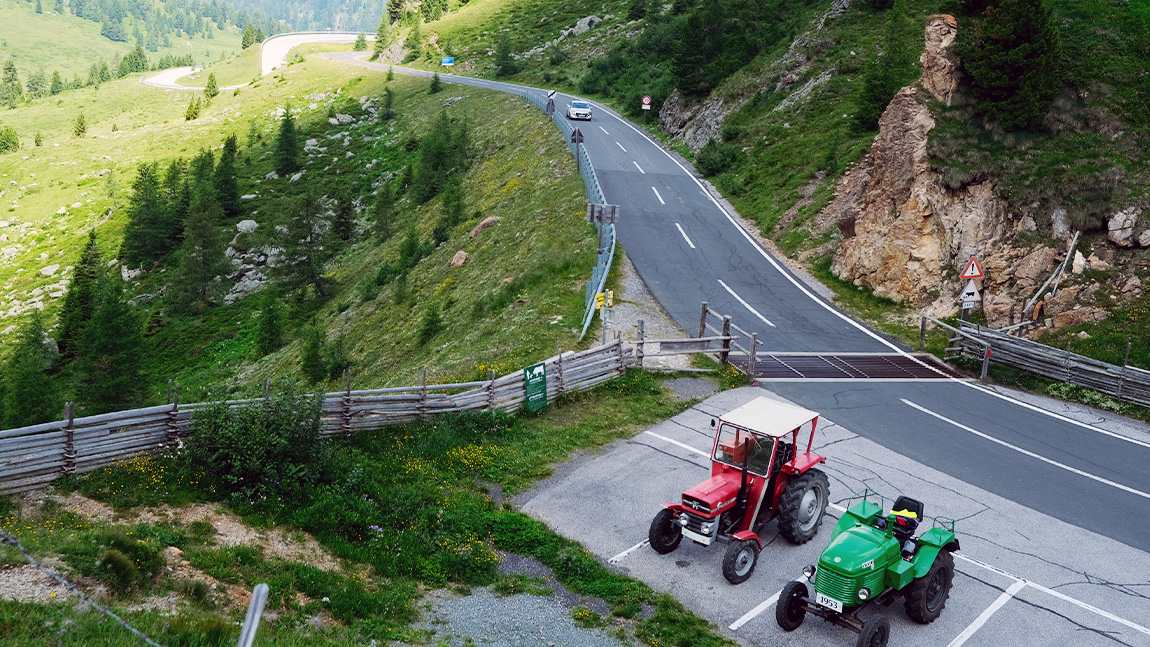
{"points": [[535, 381]]}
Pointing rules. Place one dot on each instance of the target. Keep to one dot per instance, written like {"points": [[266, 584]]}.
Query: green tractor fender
{"points": [[930, 544]]}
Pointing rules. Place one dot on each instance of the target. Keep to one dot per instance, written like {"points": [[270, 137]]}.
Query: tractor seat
{"points": [[906, 524]]}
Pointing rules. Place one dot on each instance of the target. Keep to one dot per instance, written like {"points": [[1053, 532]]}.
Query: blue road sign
{"points": [[449, 60]]}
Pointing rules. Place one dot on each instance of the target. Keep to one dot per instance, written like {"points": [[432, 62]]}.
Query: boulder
{"points": [[1058, 224], [1079, 316], [1035, 264], [272, 176], [1120, 228], [487, 223], [49, 270], [1096, 263], [246, 226], [1144, 239], [1078, 264], [459, 259]]}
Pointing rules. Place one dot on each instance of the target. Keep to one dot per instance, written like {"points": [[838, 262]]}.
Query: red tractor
{"points": [[757, 474]]}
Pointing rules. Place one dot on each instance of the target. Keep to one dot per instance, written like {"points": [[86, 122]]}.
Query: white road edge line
{"points": [[658, 196], [1125, 488], [621, 147], [638, 167], [961, 638], [685, 236], [746, 305], [604, 130], [615, 559], [677, 443], [750, 615], [802, 288]]}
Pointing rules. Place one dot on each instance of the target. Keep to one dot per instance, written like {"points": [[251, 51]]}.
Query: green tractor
{"points": [[875, 558]]}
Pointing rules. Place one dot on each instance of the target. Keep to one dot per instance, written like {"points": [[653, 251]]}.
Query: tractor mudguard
{"points": [[802, 462], [677, 507], [929, 545], [745, 535]]}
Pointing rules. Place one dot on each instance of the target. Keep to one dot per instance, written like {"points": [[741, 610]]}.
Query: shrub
{"points": [[430, 325], [715, 157], [9, 140]]}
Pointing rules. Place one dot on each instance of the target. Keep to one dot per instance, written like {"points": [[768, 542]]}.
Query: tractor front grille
{"points": [[695, 523], [846, 589]]}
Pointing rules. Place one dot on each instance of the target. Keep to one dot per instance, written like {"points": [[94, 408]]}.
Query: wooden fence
{"points": [[30, 457], [988, 345]]}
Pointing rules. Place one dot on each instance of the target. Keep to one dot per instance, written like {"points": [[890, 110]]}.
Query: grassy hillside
{"points": [[233, 70], [69, 44]]}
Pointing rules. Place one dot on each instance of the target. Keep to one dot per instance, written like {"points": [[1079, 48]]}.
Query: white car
{"points": [[579, 110]]}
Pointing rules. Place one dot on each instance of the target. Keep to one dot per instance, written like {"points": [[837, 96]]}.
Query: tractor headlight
{"points": [[682, 520], [809, 571], [864, 593], [706, 528]]}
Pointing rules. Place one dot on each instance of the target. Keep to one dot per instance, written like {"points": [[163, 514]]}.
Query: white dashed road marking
{"points": [[638, 167], [658, 196], [685, 236], [621, 147], [746, 305], [677, 443], [604, 130]]}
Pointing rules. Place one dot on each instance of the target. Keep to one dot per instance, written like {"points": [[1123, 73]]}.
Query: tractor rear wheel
{"points": [[875, 632], [926, 596], [664, 533], [789, 611], [802, 506], [740, 560]]}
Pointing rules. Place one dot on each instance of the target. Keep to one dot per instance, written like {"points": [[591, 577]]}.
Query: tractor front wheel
{"points": [[789, 611], [740, 560], [802, 506], [926, 596], [875, 632], [664, 533]]}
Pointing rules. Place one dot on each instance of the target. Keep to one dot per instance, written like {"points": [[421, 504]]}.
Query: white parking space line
{"points": [[746, 305], [685, 236], [638, 167], [985, 615], [1031, 454], [621, 147], [1091, 608], [604, 130], [677, 443], [658, 196], [750, 615], [615, 559]]}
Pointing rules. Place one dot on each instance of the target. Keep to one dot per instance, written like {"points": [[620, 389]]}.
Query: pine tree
{"points": [[1012, 57], [211, 90], [259, 36], [113, 29], [227, 185], [505, 63], [360, 44], [59, 8], [201, 258], [414, 41], [80, 127], [80, 299], [395, 10], [57, 83], [270, 325], [30, 394], [382, 38], [177, 196], [39, 7], [384, 213], [193, 111], [311, 362], [638, 10], [39, 138], [892, 70], [453, 207], [249, 37], [388, 103], [287, 148], [343, 220], [436, 84], [9, 139], [304, 250], [699, 43], [148, 234], [390, 73], [11, 92], [110, 362]]}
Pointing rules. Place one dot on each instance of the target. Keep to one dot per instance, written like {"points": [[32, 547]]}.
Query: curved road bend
{"points": [[688, 249]]}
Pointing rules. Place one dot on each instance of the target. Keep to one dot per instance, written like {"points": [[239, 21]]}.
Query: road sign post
{"points": [[646, 103], [447, 61], [969, 298], [535, 386]]}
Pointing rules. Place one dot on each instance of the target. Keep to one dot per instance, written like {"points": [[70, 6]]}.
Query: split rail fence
{"points": [[30, 457], [987, 345]]}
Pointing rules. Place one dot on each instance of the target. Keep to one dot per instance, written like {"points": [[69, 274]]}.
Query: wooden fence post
{"points": [[619, 355], [173, 415], [490, 389], [639, 346], [423, 396], [560, 387], [922, 334], [723, 354], [347, 402], [69, 440], [754, 342], [703, 321]]}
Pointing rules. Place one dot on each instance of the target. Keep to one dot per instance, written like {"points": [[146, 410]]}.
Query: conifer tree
{"points": [[360, 44], [395, 10], [148, 234], [30, 394], [177, 196], [80, 127], [287, 148], [201, 259], [311, 362], [227, 186], [109, 368], [453, 207], [57, 83], [390, 73], [637, 10], [384, 213], [382, 38], [414, 41], [249, 37], [388, 111], [436, 84], [80, 299], [343, 220], [259, 36], [9, 139], [305, 251], [39, 7], [60, 7], [270, 325], [891, 70], [1012, 57], [505, 63], [11, 90], [211, 89], [699, 43]]}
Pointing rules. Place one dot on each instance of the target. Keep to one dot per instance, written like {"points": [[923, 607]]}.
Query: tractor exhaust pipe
{"points": [[743, 484]]}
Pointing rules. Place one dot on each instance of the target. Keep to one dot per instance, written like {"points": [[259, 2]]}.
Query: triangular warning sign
{"points": [[973, 269]]}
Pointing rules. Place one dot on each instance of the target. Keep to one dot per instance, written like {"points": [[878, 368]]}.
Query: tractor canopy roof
{"points": [[769, 417]]}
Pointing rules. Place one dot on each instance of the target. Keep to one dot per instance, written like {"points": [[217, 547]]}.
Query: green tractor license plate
{"points": [[829, 603]]}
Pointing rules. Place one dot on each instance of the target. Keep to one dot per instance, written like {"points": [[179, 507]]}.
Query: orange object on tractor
{"points": [[758, 473]]}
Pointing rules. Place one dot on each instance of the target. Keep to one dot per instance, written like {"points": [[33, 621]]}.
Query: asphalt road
{"points": [[688, 249]]}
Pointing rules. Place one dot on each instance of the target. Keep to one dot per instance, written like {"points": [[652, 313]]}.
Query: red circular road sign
{"points": [[646, 101]]}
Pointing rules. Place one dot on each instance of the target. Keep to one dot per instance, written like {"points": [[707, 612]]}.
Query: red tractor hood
{"points": [[713, 495]]}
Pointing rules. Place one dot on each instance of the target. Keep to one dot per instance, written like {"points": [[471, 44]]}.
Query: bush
{"points": [[9, 140], [430, 325], [715, 157], [270, 449]]}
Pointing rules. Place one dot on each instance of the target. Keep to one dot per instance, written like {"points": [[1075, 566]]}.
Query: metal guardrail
{"points": [[1124, 382], [607, 238]]}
